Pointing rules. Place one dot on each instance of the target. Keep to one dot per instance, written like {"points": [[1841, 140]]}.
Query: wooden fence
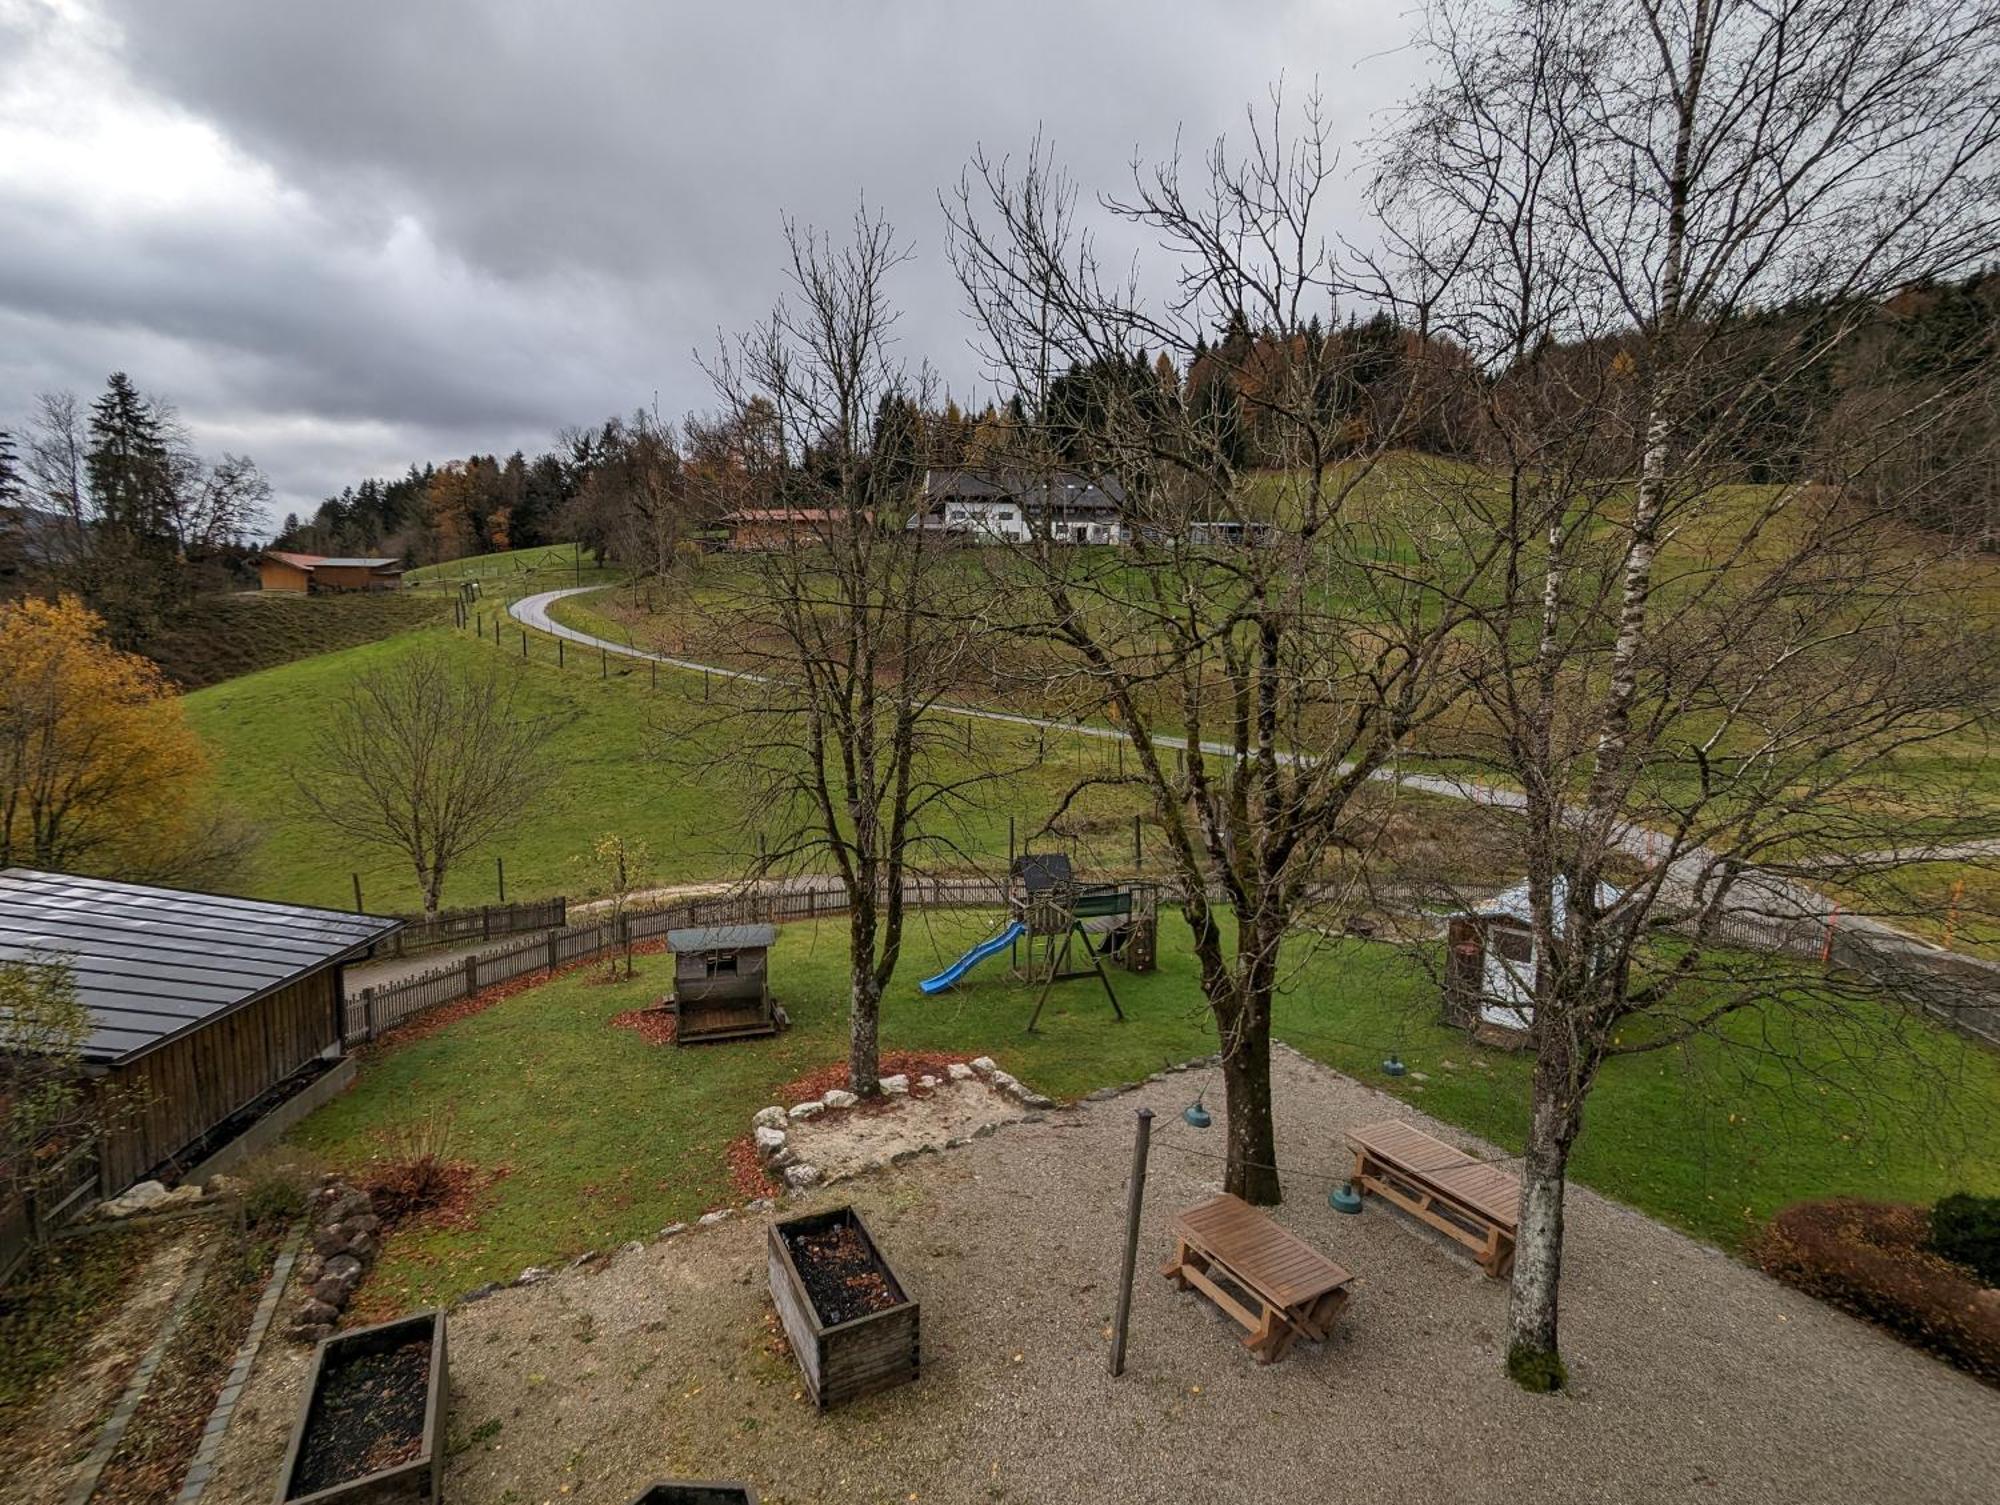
{"points": [[454, 927], [373, 1011], [68, 1191]]}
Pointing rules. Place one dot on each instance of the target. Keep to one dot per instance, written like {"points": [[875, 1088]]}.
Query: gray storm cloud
{"points": [[345, 238]]}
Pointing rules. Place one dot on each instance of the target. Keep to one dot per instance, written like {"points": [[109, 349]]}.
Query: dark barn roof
{"points": [[722, 938], [155, 963]]}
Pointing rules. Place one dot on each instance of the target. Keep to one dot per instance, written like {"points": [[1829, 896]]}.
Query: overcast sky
{"points": [[346, 237]]}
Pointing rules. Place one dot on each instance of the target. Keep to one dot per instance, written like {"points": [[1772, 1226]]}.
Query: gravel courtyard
{"points": [[1695, 1378]]}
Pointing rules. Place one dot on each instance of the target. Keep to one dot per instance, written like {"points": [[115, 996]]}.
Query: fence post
{"points": [[368, 1011], [486, 922], [472, 974], [357, 894], [559, 653], [500, 867], [552, 951], [603, 663]]}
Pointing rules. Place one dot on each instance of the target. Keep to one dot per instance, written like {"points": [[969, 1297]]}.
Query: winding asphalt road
{"points": [[1758, 896]]}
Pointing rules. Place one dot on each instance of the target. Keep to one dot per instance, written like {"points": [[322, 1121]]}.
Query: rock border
{"points": [[770, 1126], [345, 1236]]}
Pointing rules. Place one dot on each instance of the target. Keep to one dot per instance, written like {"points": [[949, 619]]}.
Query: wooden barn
{"points": [[1492, 965], [206, 1012], [722, 983], [315, 574]]}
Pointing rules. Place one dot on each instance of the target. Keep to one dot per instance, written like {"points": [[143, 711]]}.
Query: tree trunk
{"points": [[432, 883], [864, 1066], [1252, 1168], [1533, 1355]]}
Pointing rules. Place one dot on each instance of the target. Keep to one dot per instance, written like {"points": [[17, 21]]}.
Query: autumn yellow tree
{"points": [[99, 769], [448, 510]]}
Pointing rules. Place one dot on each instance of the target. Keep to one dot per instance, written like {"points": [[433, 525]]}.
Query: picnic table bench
{"points": [[1461, 1196], [1271, 1281]]}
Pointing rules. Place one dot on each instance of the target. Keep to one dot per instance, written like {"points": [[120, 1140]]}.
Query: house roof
{"points": [[312, 561], [152, 964], [1070, 489], [722, 938]]}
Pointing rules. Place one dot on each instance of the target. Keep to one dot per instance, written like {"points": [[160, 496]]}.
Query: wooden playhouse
{"points": [[1493, 966], [722, 983]]}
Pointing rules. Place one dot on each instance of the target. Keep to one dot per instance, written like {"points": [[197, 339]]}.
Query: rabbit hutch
{"points": [[1492, 965], [722, 983]]}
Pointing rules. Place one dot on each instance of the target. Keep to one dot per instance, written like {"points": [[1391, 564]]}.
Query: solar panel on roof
{"points": [[152, 963]]}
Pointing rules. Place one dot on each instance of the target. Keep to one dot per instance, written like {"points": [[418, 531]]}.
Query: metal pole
{"points": [[500, 867], [559, 653], [1135, 1195]]}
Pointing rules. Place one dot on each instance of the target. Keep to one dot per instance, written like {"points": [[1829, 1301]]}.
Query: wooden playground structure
{"points": [[1071, 929]]}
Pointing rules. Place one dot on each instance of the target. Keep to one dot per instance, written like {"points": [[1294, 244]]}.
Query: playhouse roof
{"points": [[722, 938], [1514, 904]]}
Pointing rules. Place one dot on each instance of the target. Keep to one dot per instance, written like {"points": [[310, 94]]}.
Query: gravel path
{"points": [[1695, 1377]]}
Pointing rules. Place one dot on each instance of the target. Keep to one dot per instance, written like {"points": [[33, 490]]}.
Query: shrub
{"points": [[1872, 1259], [275, 1194], [1966, 1230], [418, 1175]]}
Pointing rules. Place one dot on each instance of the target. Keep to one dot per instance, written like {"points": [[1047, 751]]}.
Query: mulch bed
{"points": [[841, 1273], [1869, 1258], [444, 1015], [655, 1025], [370, 1416], [746, 1170], [911, 1063]]}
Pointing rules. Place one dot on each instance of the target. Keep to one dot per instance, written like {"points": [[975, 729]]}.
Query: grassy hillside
{"points": [[220, 637]]}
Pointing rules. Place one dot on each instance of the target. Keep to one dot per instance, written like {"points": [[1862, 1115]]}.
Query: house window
{"points": [[1514, 945], [723, 965]]}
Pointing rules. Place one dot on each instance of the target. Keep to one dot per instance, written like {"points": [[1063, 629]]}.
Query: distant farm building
{"points": [[206, 1014], [314, 574], [758, 530], [1006, 505]]}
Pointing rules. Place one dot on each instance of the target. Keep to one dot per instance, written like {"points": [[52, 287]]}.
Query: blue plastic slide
{"points": [[973, 958]]}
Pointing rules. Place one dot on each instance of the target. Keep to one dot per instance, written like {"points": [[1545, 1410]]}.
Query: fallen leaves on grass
{"points": [[655, 1025], [910, 1063], [445, 1015]]}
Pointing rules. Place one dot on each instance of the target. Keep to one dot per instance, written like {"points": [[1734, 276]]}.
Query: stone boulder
{"points": [[808, 1110], [772, 1117], [958, 1071], [985, 1065], [769, 1140], [799, 1177], [839, 1097], [144, 1197], [897, 1085]]}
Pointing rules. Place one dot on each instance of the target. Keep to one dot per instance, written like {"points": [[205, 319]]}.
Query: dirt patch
{"points": [[845, 1143], [655, 1026], [154, 1455], [370, 1417], [841, 1273], [74, 1376]]}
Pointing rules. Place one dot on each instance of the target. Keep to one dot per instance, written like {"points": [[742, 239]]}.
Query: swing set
{"points": [[1115, 922]]}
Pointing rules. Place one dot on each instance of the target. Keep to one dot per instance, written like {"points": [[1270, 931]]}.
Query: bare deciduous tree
{"points": [[428, 758], [1650, 225], [1263, 665], [854, 625]]}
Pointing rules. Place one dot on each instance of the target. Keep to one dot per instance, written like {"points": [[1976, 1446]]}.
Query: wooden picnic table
{"points": [[1460, 1195], [1270, 1280]]}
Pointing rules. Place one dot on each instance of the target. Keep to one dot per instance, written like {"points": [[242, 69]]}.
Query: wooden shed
{"points": [[206, 1012], [722, 985], [1492, 965], [316, 574]]}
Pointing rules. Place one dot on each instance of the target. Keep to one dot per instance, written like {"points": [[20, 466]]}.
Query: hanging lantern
{"points": [[1196, 1116], [1394, 1066], [1345, 1197]]}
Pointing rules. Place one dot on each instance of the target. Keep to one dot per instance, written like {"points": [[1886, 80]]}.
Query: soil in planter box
{"points": [[370, 1416], [842, 1274]]}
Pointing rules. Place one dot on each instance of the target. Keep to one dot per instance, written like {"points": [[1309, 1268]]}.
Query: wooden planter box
{"points": [[414, 1478], [846, 1360], [695, 1492]]}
